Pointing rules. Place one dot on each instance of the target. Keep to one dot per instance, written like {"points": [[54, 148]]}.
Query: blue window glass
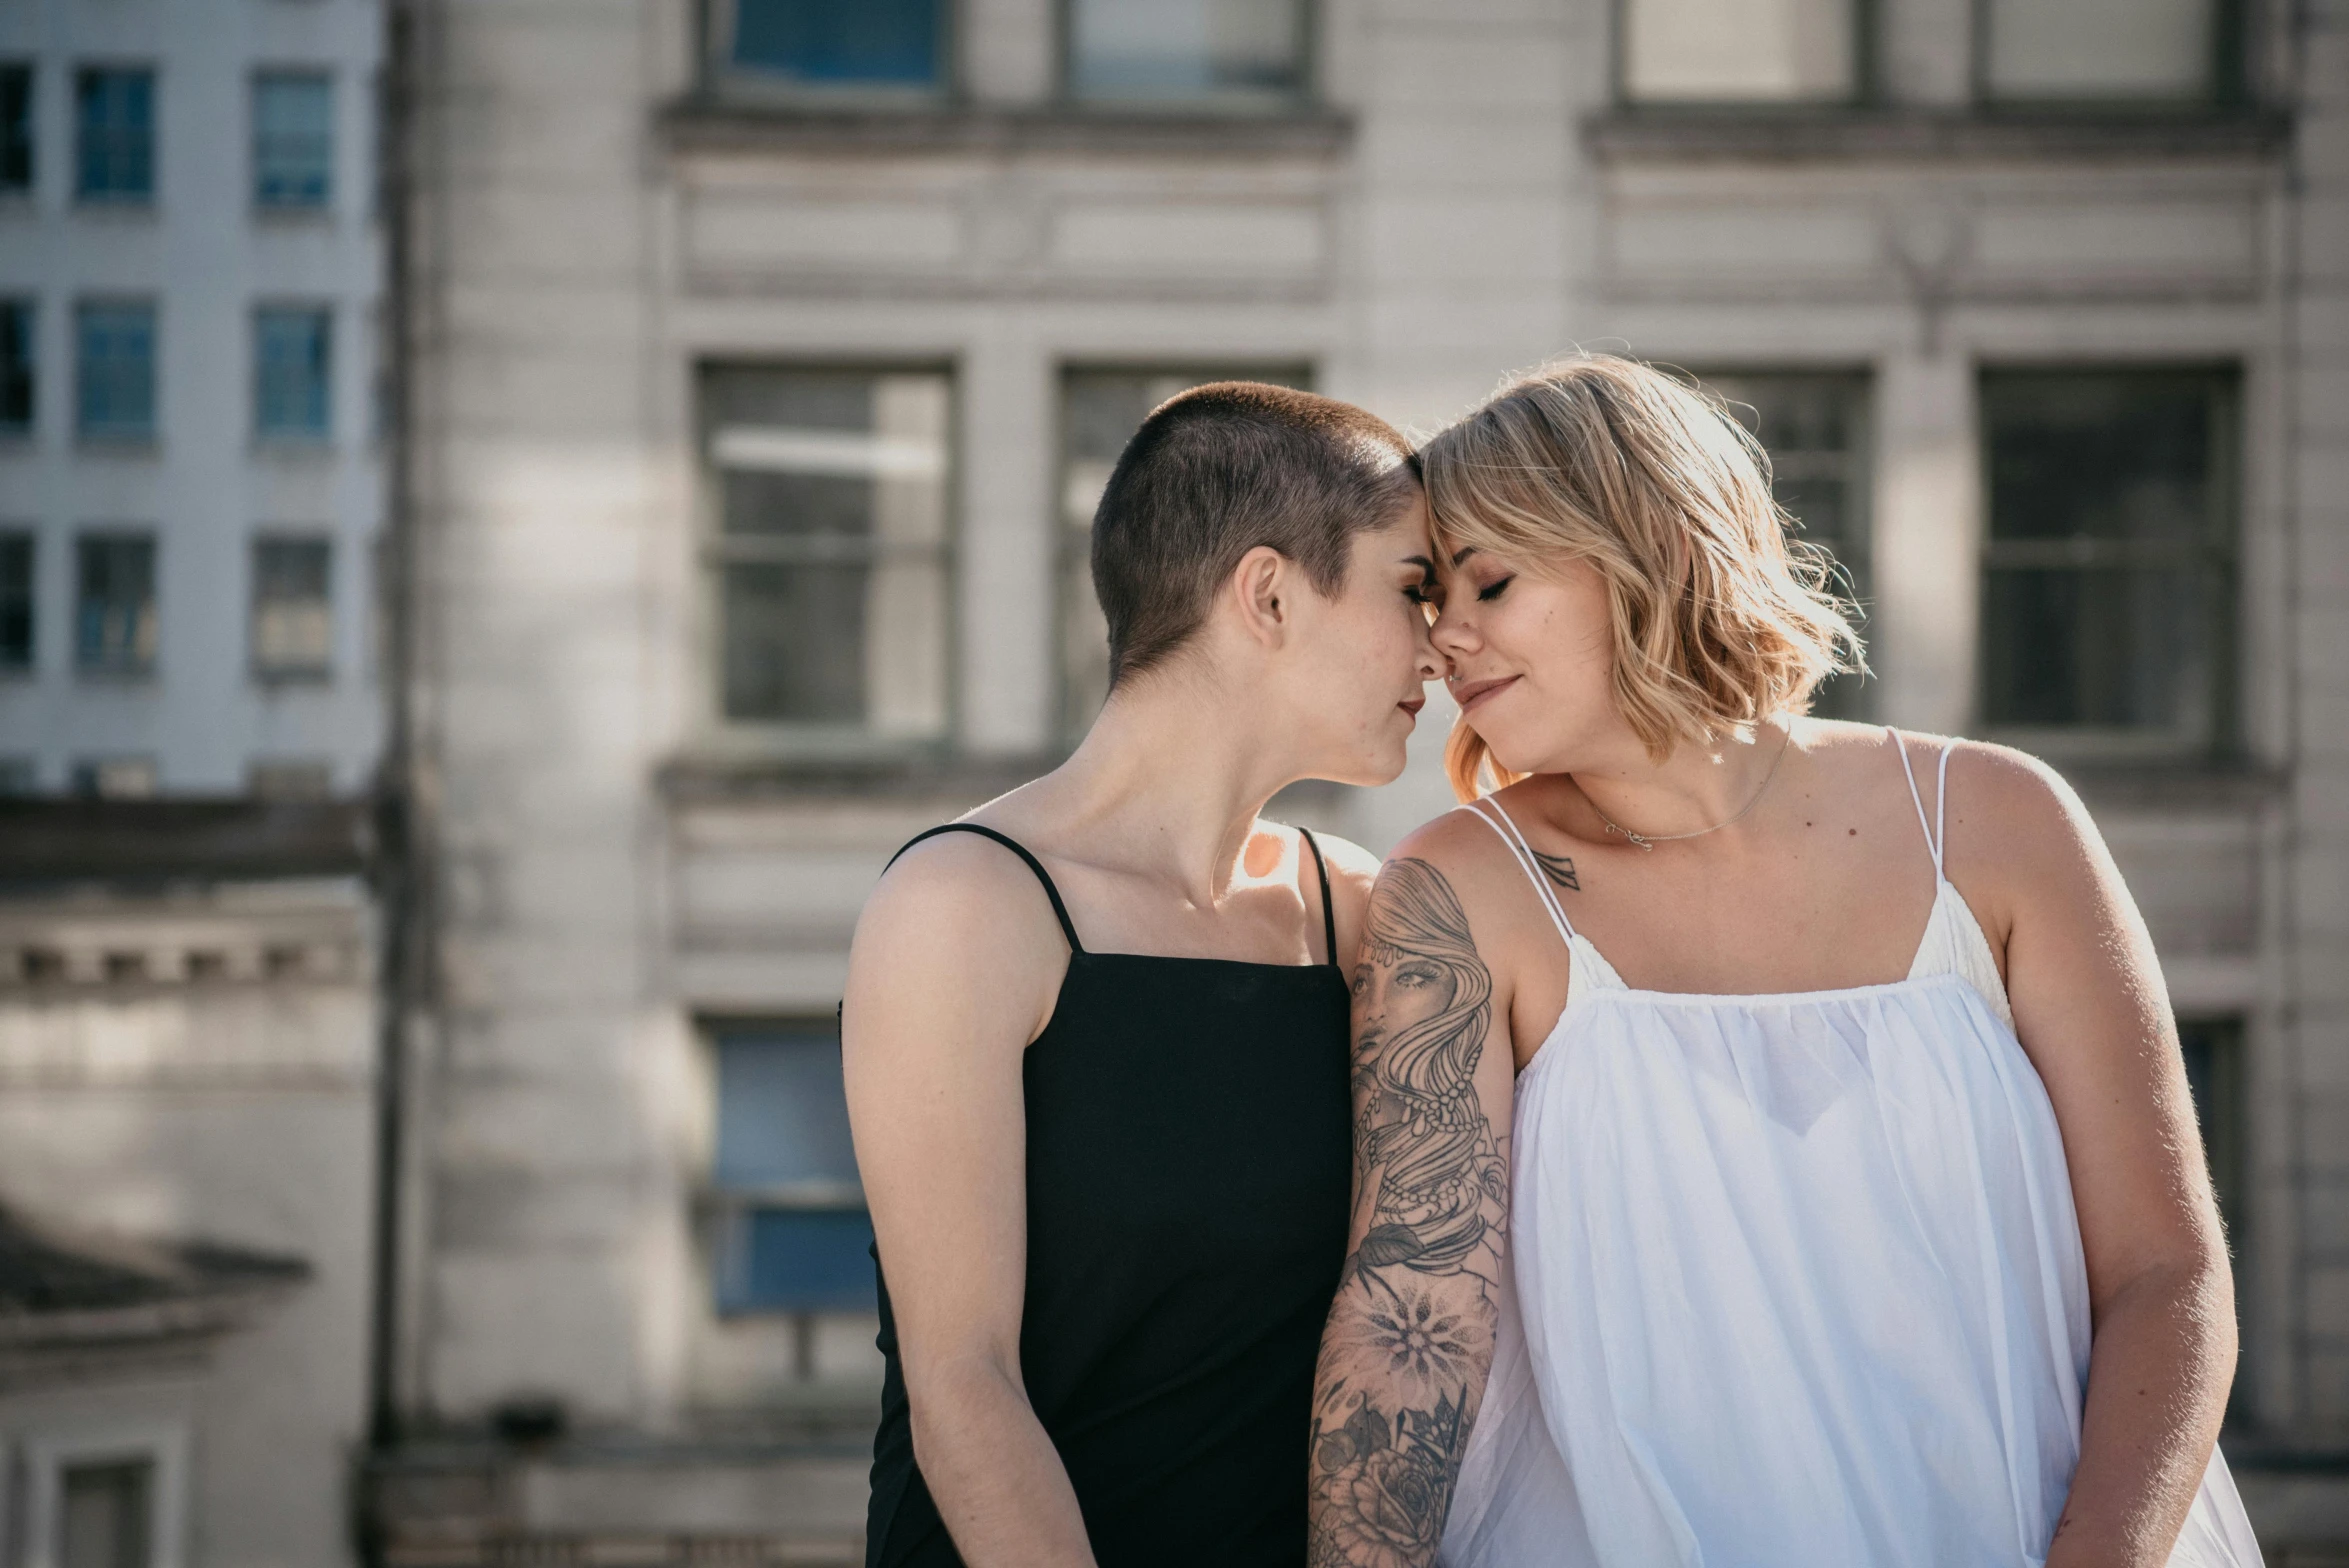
{"points": [[115, 374], [17, 320], [891, 43], [1176, 50], [16, 128], [116, 110], [293, 350], [114, 603], [293, 139], [793, 1229]]}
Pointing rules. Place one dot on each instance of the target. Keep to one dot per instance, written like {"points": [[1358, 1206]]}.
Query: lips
{"points": [[1412, 705], [1475, 692]]}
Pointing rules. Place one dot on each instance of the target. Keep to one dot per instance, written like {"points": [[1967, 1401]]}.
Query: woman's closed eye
{"points": [[1492, 590]]}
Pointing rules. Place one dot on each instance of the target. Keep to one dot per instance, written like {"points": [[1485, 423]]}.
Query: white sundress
{"points": [[1793, 1280]]}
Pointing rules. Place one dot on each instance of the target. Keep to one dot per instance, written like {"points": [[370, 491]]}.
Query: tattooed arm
{"points": [[1409, 1343]]}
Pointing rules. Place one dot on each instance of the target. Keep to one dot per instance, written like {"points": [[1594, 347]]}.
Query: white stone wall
{"points": [[233, 1106], [204, 255], [614, 864]]}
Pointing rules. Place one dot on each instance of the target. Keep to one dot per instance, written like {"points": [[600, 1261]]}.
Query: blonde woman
{"points": [[1771, 1142]]}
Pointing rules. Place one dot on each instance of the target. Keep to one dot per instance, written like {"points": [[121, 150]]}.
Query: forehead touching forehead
{"points": [[1223, 469]]}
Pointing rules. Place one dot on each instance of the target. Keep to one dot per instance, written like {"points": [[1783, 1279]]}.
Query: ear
{"points": [[1261, 586]]}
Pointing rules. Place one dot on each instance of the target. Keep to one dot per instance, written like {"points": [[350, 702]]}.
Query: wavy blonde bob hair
{"points": [[1720, 617]]}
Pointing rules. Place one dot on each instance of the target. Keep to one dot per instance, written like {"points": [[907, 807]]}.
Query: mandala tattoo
{"points": [[1410, 1336]]}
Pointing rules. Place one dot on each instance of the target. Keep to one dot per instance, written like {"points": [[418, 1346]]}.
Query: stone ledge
{"points": [[215, 840], [1841, 135], [714, 123], [695, 778]]}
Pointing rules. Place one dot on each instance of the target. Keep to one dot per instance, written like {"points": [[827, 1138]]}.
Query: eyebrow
{"points": [[1462, 554], [1422, 562]]}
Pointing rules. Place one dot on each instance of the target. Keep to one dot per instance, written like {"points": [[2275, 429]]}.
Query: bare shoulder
{"points": [[955, 899], [1471, 862], [2009, 798]]}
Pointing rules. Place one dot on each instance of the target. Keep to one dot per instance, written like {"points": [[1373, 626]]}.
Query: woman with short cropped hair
{"points": [[1772, 1143], [1095, 1031]]}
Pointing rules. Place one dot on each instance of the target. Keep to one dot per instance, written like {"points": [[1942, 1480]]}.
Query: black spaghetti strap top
{"points": [[1188, 1162]]}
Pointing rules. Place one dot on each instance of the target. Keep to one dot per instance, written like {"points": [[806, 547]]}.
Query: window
{"points": [[2108, 571], [115, 778], [887, 44], [293, 350], [115, 348], [1100, 410], [115, 109], [16, 128], [1739, 51], [2089, 50], [289, 778], [293, 139], [105, 1513], [293, 619], [1815, 427], [1237, 51], [828, 550], [18, 323], [793, 1231], [16, 601], [114, 603]]}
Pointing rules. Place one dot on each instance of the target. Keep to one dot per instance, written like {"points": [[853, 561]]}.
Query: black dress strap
{"points": [[1059, 909], [1329, 914]]}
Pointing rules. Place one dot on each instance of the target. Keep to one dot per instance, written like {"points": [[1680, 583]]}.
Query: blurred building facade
{"points": [[766, 356], [191, 714]]}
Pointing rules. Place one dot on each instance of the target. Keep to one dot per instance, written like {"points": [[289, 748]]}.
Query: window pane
{"points": [[2109, 572], [116, 111], [1815, 428], [1738, 50], [830, 547], [293, 139], [114, 598], [290, 778], [16, 128], [17, 322], [293, 619], [1175, 49], [797, 1238], [2102, 48], [115, 778], [292, 363], [16, 601], [846, 42], [103, 1514], [115, 346], [1100, 411]]}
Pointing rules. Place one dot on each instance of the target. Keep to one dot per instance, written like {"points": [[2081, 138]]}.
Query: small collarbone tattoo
{"points": [[1559, 869]]}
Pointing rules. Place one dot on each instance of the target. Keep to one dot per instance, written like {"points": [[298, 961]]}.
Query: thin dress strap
{"points": [[1941, 808], [1526, 861], [1059, 909], [1329, 914], [1916, 798]]}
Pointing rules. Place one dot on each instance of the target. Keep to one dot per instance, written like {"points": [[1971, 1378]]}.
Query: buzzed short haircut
{"points": [[1213, 473]]}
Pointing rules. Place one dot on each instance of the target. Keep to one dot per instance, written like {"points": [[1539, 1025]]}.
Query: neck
{"points": [[1169, 782], [1696, 788]]}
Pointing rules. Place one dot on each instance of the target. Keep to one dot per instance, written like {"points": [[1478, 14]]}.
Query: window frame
{"points": [[274, 439], [1867, 80], [2223, 736], [724, 1211], [276, 71], [1308, 93], [273, 676], [31, 67], [118, 438], [723, 79], [1067, 728], [109, 201], [163, 1443], [817, 741], [152, 537], [2228, 56]]}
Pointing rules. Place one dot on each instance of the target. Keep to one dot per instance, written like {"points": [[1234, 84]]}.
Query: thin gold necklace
{"points": [[1649, 841]]}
